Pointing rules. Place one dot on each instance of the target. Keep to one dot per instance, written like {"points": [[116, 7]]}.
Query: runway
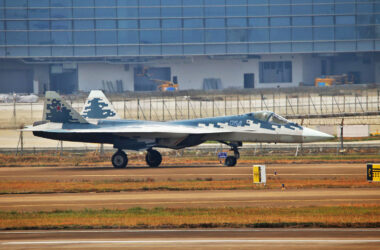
{"points": [[223, 198], [328, 238], [216, 172]]}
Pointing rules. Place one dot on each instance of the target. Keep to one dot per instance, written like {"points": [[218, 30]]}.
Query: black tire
{"points": [[153, 158], [120, 159], [230, 161]]}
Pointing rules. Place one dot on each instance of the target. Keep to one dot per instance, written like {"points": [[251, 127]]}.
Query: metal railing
{"points": [[361, 106]]}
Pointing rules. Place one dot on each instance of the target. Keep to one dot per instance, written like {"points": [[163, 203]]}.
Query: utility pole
{"points": [[341, 135]]}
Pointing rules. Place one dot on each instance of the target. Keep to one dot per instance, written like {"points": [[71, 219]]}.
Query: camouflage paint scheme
{"points": [[63, 123], [97, 109]]}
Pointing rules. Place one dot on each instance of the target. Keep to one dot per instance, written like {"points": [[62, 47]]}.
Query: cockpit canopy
{"points": [[267, 116]]}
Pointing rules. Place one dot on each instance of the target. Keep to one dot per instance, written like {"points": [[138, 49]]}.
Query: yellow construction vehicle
{"points": [[334, 80], [166, 86]]}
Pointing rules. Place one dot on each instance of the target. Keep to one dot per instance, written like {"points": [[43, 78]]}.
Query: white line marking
{"points": [[323, 241]]}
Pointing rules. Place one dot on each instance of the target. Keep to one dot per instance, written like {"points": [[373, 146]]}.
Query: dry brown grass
{"points": [[330, 216], [26, 187]]}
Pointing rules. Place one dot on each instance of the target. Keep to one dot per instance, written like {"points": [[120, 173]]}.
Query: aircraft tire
{"points": [[230, 161], [153, 158], [119, 159]]}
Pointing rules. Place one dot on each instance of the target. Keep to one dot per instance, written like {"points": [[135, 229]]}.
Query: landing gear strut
{"points": [[119, 159], [153, 158], [232, 160]]}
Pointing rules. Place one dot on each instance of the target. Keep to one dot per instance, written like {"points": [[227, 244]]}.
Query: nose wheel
{"points": [[232, 160], [153, 158], [119, 159]]}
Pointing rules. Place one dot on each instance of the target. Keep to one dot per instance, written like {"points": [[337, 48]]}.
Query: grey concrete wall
{"points": [[90, 76]]}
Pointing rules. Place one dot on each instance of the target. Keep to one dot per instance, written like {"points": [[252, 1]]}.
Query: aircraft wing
{"points": [[134, 137], [138, 129]]}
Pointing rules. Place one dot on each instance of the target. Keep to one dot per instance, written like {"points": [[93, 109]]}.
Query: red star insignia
{"points": [[59, 108]]}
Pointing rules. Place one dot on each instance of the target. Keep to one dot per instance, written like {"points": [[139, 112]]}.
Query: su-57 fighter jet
{"points": [[100, 124]]}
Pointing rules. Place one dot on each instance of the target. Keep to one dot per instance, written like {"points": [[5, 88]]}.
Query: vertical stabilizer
{"points": [[97, 106], [58, 110]]}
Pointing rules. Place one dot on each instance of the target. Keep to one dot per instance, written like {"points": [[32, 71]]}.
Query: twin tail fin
{"points": [[97, 106], [58, 110]]}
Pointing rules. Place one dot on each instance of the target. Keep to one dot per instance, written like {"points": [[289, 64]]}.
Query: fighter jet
{"points": [[62, 122]]}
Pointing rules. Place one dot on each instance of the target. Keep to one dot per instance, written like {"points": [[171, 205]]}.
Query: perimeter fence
{"points": [[304, 101]]}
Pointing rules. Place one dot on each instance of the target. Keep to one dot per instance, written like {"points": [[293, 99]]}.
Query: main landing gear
{"points": [[120, 159], [232, 160], [153, 158]]}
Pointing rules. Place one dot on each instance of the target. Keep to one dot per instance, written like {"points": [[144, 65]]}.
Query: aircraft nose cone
{"points": [[311, 135]]}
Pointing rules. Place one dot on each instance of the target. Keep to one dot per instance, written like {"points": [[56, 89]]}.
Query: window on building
{"points": [[83, 3], [106, 37], [258, 22], [12, 3], [280, 21], [193, 23], [106, 24], [192, 11], [301, 9], [39, 37], [61, 25], [60, 12], [83, 12], [83, 24], [237, 35], [280, 10], [236, 22], [171, 36], [171, 23], [128, 37], [39, 25], [275, 72], [258, 35], [236, 11], [214, 11], [38, 13], [302, 21], [60, 3], [171, 2], [16, 13], [149, 12], [16, 25], [193, 36], [171, 12], [128, 24], [105, 12], [61, 37], [84, 37], [258, 11], [16, 37], [215, 36]]}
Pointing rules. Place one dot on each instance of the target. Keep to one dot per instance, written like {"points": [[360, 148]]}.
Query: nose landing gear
{"points": [[232, 160]]}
